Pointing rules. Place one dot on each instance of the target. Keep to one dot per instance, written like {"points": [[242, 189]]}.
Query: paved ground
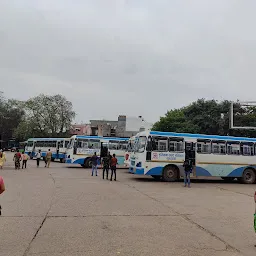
{"points": [[64, 211]]}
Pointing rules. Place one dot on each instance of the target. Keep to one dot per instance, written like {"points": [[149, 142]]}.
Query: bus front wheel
{"points": [[248, 177], [170, 173]]}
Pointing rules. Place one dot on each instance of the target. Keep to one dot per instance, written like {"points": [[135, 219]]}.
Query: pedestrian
{"points": [[94, 160], [113, 163], [2, 159], [17, 159], [106, 162], [187, 170], [24, 158], [38, 158], [2, 189], [48, 158]]}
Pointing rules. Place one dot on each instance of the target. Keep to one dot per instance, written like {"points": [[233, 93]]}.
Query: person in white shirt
{"points": [[38, 157]]}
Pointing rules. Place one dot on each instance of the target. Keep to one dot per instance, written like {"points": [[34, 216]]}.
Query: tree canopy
{"points": [[208, 117], [45, 116]]}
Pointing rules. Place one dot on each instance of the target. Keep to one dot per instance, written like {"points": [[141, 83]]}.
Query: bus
{"points": [[128, 152], [161, 155], [58, 147], [117, 146], [81, 148]]}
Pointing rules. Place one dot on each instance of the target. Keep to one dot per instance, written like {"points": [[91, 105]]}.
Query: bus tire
{"points": [[62, 160], [228, 178], [156, 177], [249, 176], [87, 163], [170, 173]]}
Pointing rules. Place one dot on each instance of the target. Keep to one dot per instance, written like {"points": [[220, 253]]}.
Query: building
{"points": [[81, 129], [124, 127]]}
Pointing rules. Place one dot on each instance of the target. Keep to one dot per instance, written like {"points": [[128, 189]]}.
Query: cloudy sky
{"points": [[133, 57]]}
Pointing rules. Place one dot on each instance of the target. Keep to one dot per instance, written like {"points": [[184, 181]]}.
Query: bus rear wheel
{"points": [[170, 173], [87, 163], [248, 177]]}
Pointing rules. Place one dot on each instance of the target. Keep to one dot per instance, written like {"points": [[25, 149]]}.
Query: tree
{"points": [[46, 116], [175, 121], [10, 118], [208, 117]]}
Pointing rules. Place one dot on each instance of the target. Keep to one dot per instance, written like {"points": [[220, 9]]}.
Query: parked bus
{"points": [[58, 147], [161, 155], [129, 151], [117, 146], [81, 148]]}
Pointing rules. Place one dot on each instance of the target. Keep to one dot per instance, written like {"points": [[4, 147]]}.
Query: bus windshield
{"points": [[141, 144]]}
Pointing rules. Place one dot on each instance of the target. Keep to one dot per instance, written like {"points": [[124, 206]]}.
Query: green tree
{"points": [[46, 116], [175, 121], [208, 117], [10, 117]]}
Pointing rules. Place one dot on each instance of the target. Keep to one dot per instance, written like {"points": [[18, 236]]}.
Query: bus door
{"points": [[103, 149], [190, 154]]}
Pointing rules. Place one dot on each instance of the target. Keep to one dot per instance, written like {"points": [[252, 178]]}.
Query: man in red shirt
{"points": [[113, 163]]}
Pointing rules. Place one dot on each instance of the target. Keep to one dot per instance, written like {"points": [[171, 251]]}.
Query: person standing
{"points": [[187, 170], [113, 163], [38, 158], [106, 163], [48, 158], [17, 159], [2, 159], [24, 158], [94, 160], [2, 189]]}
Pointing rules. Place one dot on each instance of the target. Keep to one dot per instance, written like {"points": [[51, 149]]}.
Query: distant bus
{"points": [[161, 155], [58, 147], [81, 148], [117, 146], [128, 152]]}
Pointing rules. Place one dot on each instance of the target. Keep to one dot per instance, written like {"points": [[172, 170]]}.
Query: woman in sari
{"points": [[17, 159], [2, 159]]}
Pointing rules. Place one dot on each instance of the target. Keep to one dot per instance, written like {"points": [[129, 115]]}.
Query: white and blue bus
{"points": [[58, 147], [129, 151], [161, 155], [81, 148]]}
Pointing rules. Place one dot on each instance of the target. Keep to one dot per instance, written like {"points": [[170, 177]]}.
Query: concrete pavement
{"points": [[65, 211]]}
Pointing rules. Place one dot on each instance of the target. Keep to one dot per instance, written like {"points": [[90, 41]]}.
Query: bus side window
{"points": [[233, 148], [176, 145], [204, 146], [247, 149], [219, 147]]}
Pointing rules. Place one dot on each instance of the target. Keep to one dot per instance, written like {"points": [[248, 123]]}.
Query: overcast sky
{"points": [[133, 57]]}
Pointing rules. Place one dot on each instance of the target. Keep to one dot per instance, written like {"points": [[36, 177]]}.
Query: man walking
{"points": [[38, 157], [113, 163], [48, 158], [106, 163], [94, 160], [24, 158], [187, 170]]}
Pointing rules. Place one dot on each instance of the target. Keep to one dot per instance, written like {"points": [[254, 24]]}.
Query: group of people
{"points": [[21, 158], [108, 162], [47, 159]]}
